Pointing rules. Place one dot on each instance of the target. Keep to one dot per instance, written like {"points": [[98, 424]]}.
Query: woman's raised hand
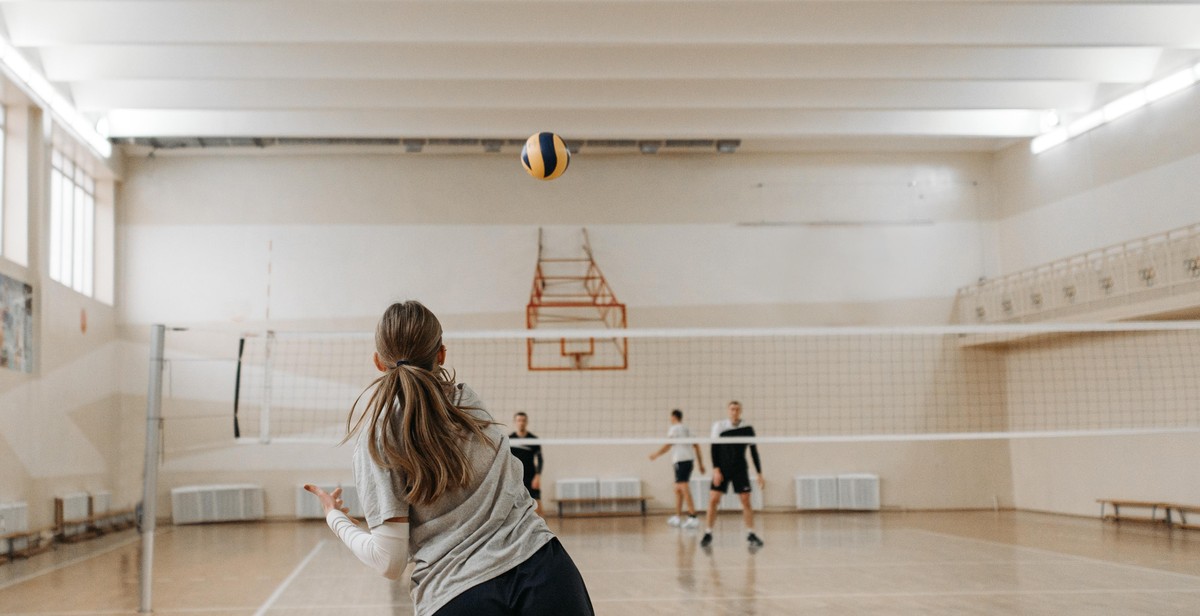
{"points": [[329, 501]]}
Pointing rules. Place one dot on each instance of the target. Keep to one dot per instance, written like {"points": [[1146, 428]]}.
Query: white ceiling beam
{"points": [[100, 96], [50, 23], [578, 124], [1111, 65]]}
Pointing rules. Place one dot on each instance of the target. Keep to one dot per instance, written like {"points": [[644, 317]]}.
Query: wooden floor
{"points": [[893, 563]]}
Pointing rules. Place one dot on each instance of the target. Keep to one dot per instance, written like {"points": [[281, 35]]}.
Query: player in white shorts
{"points": [[682, 456]]}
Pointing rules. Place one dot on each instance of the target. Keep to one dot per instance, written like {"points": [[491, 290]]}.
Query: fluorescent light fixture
{"points": [[1170, 85], [1086, 122], [1124, 105], [39, 88], [1044, 142], [1049, 121]]}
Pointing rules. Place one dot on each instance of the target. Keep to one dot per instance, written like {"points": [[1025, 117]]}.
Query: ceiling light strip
{"points": [[1158, 90], [39, 88]]}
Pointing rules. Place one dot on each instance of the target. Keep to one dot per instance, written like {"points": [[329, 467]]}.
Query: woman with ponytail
{"points": [[440, 489]]}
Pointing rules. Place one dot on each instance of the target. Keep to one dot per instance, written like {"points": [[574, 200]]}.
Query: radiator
{"points": [[101, 502], [858, 492], [70, 508], [308, 507], [630, 487], [75, 506], [817, 492], [216, 503], [701, 486], [14, 518], [577, 488]]}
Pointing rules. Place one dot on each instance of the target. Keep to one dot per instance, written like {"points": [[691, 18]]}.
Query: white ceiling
{"points": [[895, 74]]}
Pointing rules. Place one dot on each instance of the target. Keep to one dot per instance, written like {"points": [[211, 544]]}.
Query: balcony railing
{"points": [[1141, 270]]}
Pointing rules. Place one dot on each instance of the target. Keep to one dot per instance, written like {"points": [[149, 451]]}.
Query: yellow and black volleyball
{"points": [[545, 156]]}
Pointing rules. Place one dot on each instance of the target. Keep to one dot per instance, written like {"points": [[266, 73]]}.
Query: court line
{"points": [[284, 584], [932, 593], [188, 610], [68, 563], [1065, 555]]}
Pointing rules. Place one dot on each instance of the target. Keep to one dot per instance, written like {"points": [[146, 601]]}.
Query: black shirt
{"points": [[732, 457], [529, 455]]}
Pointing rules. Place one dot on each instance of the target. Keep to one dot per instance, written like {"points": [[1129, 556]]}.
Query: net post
{"points": [[150, 474]]}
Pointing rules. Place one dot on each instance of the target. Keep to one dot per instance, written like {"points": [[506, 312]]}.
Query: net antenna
{"points": [[570, 292]]}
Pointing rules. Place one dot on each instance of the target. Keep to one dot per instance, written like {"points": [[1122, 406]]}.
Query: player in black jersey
{"points": [[729, 468], [530, 457]]}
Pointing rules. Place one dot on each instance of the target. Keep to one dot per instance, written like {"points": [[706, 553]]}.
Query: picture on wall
{"points": [[16, 325]]}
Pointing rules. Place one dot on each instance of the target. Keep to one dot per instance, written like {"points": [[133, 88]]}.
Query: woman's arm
{"points": [[385, 549]]}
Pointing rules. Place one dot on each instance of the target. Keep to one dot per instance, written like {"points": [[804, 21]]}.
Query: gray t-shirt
{"points": [[468, 536]]}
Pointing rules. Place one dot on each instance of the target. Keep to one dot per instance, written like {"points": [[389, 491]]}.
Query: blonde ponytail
{"points": [[413, 425]]}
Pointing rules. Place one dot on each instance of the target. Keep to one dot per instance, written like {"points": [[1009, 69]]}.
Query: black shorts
{"points": [[740, 478], [683, 471], [546, 584]]}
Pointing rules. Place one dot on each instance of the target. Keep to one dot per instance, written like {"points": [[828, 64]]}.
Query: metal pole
{"points": [[150, 485]]}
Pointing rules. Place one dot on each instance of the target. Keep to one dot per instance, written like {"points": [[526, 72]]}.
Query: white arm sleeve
{"points": [[385, 550]]}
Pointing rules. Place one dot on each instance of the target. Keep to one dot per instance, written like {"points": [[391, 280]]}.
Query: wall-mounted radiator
{"points": [[216, 503], [565, 489], [621, 488], [858, 492]]}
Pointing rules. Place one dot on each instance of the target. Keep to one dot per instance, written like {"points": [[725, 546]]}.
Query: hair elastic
{"points": [[403, 362]]}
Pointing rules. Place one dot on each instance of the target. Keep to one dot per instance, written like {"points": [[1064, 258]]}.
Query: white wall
{"points": [[59, 425], [1135, 177], [892, 237], [345, 234]]}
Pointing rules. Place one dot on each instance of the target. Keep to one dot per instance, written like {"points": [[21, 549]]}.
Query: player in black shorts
{"points": [[684, 455], [530, 457], [729, 468]]}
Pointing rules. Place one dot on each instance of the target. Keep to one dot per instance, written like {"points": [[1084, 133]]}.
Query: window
{"points": [[72, 224], [3, 145]]}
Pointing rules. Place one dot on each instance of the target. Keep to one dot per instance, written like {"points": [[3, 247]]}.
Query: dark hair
{"points": [[520, 414], [733, 402], [413, 424], [677, 414]]}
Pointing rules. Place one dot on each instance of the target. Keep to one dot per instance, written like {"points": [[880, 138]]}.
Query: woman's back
{"points": [[469, 534]]}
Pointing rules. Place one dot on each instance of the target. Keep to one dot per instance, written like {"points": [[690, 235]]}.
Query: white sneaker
{"points": [[691, 522], [673, 521]]}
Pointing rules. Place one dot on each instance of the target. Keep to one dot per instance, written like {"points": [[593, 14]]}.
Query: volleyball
{"points": [[545, 156]]}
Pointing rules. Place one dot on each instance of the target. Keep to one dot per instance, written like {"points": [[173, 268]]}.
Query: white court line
{"points": [[284, 584], [1142, 568], [188, 610], [932, 593], [68, 563]]}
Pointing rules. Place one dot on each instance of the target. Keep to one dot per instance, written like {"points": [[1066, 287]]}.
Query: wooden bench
{"points": [[600, 500], [1153, 506], [96, 525], [1179, 521], [35, 543], [1183, 511]]}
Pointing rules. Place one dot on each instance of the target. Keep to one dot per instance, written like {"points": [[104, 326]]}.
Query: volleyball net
{"points": [[795, 385]]}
